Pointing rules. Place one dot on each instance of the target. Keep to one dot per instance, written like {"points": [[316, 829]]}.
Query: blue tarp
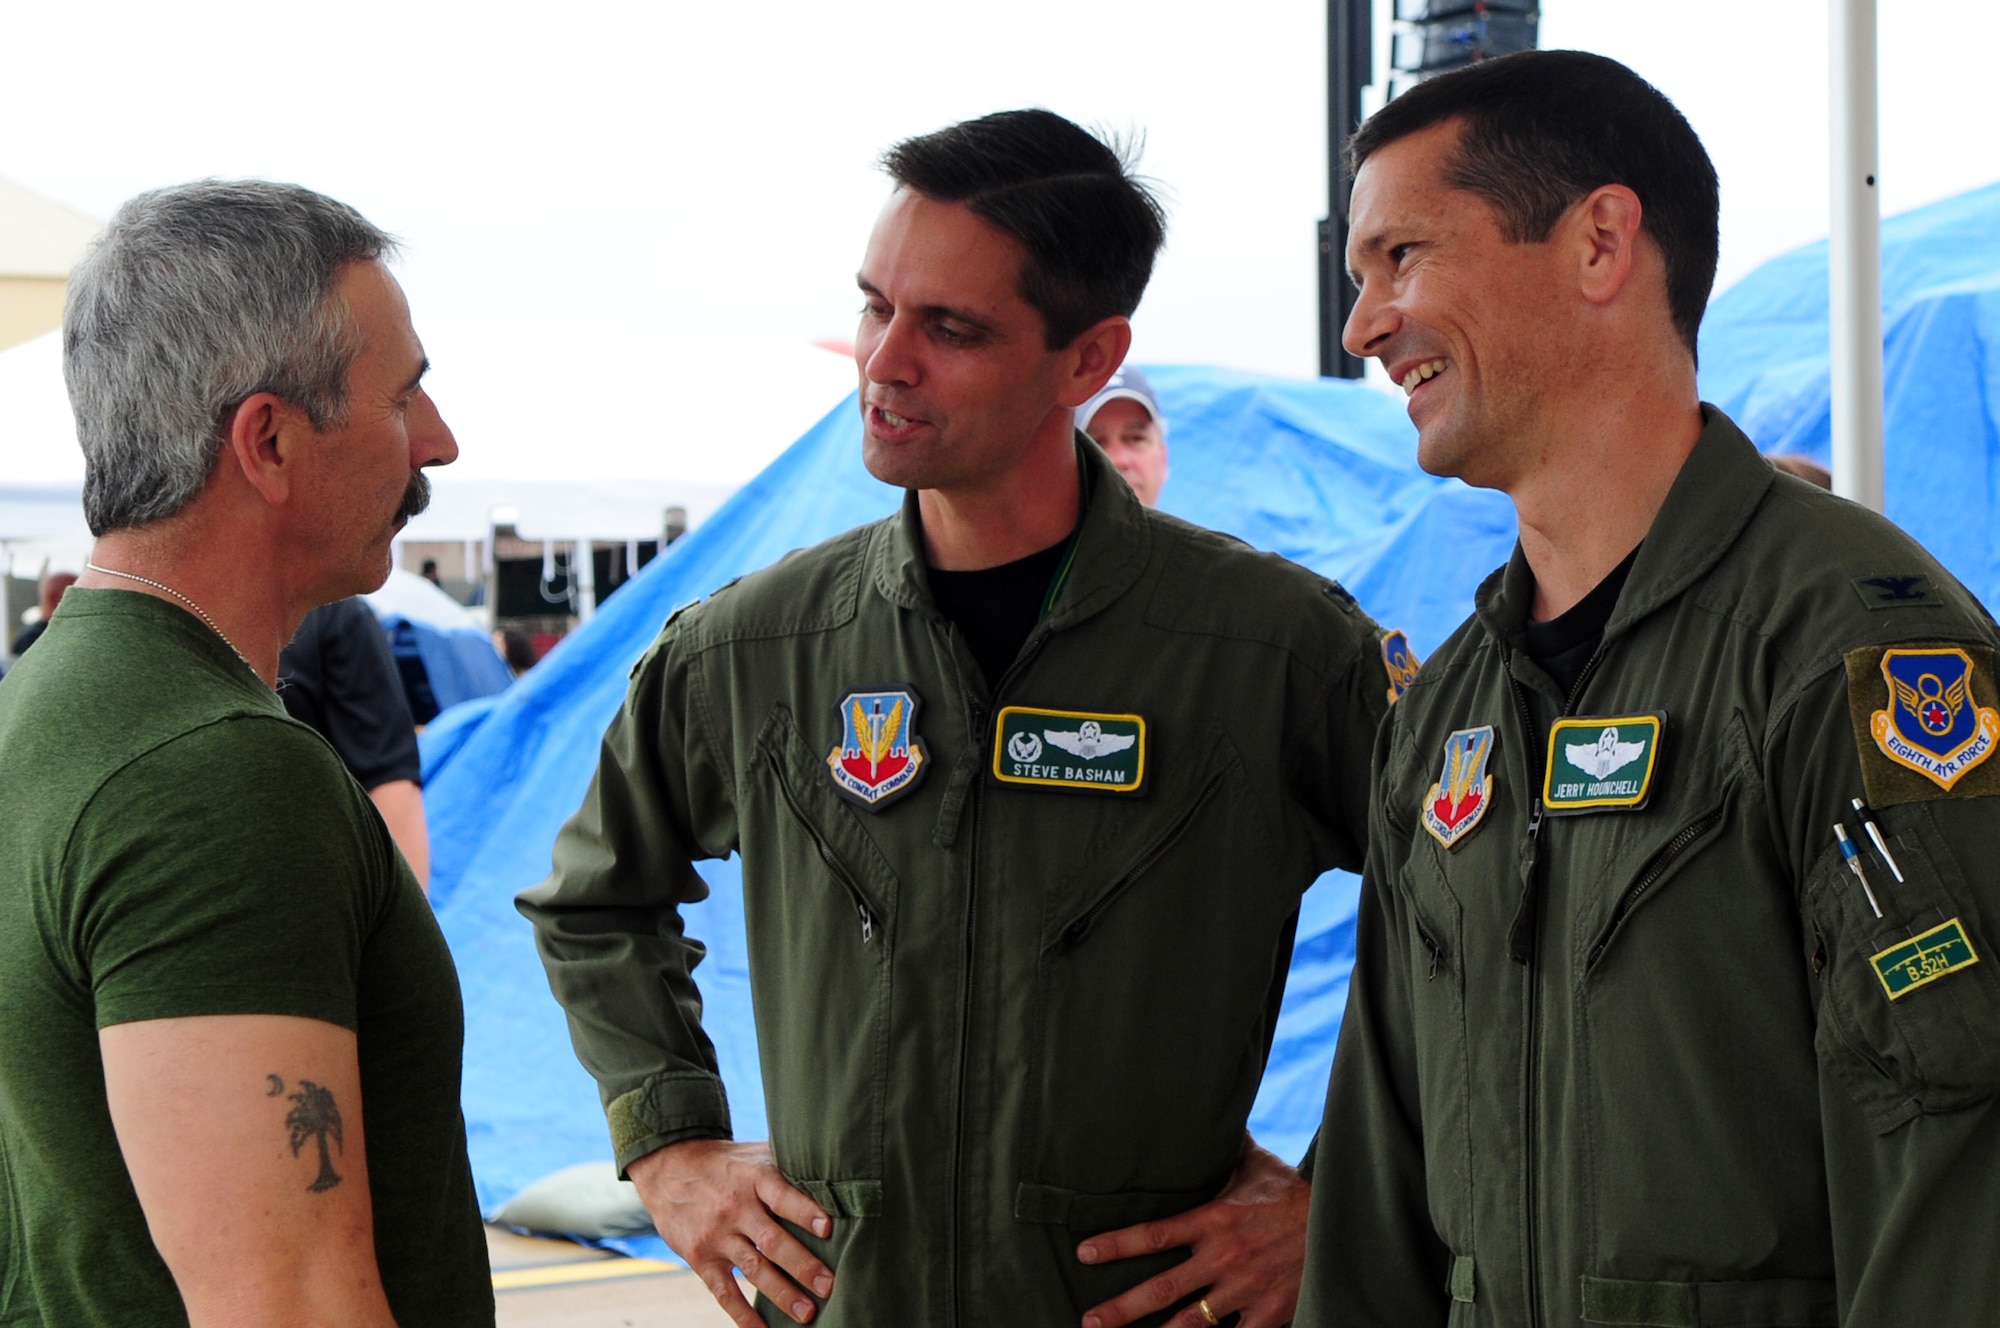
{"points": [[459, 664], [1764, 351], [1322, 472]]}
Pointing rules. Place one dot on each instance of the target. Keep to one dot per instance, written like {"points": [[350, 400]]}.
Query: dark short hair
{"points": [[1090, 226], [1544, 128]]}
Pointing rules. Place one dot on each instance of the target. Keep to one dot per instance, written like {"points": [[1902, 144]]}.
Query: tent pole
{"points": [[1854, 257], [583, 575]]}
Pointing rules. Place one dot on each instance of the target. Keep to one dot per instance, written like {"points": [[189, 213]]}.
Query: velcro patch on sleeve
{"points": [[1926, 721]]}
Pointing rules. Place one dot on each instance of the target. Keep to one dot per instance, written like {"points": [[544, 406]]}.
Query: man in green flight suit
{"points": [[1667, 1007], [1027, 782]]}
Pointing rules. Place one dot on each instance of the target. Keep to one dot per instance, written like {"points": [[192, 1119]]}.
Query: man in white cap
{"points": [[1124, 419]]}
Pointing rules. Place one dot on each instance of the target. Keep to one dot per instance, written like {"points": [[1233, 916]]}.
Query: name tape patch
{"points": [[1070, 749], [1602, 763], [1924, 959]]}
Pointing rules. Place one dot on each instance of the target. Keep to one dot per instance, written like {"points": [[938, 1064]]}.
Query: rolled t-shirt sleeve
{"points": [[233, 870]]}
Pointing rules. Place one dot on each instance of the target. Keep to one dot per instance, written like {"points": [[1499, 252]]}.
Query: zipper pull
{"points": [[867, 923], [1432, 947], [1521, 936]]}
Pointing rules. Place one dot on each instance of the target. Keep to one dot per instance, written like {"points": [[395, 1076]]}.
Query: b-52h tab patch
{"points": [[1602, 763], [1070, 749], [1937, 724], [1924, 959]]}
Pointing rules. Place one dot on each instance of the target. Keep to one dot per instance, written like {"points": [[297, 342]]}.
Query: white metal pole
{"points": [[583, 575], [1854, 258]]}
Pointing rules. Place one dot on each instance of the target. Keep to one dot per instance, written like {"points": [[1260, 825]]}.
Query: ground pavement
{"points": [[557, 1284]]}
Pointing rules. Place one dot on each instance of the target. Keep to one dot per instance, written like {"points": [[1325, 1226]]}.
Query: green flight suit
{"points": [[1641, 1066], [993, 1019]]}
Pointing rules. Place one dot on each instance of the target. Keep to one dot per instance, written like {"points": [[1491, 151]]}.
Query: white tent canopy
{"points": [[39, 237], [584, 432]]}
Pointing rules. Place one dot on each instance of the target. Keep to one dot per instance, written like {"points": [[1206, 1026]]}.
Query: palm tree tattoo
{"points": [[316, 1117]]}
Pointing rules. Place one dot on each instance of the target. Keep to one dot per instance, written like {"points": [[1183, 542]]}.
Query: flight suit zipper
{"points": [[981, 716], [1685, 838], [832, 861], [1431, 947], [1525, 946], [1079, 928]]}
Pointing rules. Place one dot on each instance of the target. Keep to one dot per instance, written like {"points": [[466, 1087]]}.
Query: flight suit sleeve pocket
{"points": [[1910, 1005]]}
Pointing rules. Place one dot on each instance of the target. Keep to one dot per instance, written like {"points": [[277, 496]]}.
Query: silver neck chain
{"points": [[199, 611]]}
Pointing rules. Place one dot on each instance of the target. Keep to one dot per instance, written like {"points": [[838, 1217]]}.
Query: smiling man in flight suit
{"points": [[1027, 783], [1631, 1038]]}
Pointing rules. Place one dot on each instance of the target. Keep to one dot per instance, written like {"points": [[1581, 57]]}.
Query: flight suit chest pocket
{"points": [[1910, 1003], [1433, 940], [820, 912], [1156, 961], [820, 840]]}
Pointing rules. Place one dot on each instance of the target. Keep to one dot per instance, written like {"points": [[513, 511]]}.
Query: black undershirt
{"points": [[1564, 644], [997, 607]]}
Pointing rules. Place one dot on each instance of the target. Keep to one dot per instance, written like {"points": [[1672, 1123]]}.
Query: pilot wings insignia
{"points": [[1607, 754], [1089, 740]]}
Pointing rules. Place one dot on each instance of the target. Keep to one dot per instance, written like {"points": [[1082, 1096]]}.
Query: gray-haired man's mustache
{"points": [[415, 498]]}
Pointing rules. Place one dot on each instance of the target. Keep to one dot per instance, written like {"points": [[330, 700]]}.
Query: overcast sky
{"points": [[711, 165]]}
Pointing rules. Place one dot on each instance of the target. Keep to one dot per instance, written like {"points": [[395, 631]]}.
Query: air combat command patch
{"points": [[879, 756], [1070, 749], [1401, 662], [1936, 726], [1602, 763], [1458, 802]]}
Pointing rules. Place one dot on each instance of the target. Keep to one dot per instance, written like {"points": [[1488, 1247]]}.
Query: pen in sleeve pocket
{"points": [[1853, 856], [1867, 815]]}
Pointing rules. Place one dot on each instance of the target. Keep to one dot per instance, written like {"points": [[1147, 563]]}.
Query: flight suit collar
{"points": [[1113, 543], [1720, 485]]}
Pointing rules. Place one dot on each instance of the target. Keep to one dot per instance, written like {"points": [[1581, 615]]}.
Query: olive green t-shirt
{"points": [[172, 844]]}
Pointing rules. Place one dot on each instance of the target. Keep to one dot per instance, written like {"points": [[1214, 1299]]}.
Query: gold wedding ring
{"points": [[1208, 1313]]}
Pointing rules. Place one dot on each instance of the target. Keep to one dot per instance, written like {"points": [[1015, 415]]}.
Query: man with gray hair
{"points": [[229, 1086]]}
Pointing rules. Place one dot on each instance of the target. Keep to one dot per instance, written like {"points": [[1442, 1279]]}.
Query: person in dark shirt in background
{"points": [[339, 677]]}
